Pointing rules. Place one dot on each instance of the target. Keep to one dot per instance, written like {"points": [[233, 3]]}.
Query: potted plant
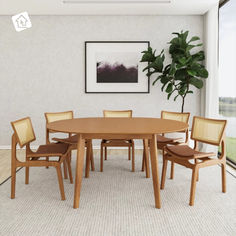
{"points": [[185, 70]]}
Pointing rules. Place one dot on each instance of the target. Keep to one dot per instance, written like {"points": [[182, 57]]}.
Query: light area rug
{"points": [[118, 202], [5, 163]]}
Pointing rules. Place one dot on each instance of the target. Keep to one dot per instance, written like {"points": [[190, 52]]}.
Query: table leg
{"points": [[88, 158], [155, 174], [79, 170], [146, 156]]}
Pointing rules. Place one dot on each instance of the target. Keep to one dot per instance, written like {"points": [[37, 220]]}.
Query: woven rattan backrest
{"points": [[209, 131], [183, 117], [24, 131], [55, 116], [127, 113]]}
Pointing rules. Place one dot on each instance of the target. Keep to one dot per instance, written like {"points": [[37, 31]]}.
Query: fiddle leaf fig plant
{"points": [[185, 70]]}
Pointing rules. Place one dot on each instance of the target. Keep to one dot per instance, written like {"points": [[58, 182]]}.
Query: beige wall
{"points": [[42, 68]]}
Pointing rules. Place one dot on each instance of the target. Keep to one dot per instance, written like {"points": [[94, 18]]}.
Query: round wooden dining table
{"points": [[116, 128]]}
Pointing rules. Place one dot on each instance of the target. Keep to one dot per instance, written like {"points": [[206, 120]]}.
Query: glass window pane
{"points": [[227, 73]]}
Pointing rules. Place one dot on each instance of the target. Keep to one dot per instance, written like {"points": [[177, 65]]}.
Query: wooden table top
{"points": [[117, 126]]}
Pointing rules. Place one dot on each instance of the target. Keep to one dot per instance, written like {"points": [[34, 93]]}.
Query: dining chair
{"points": [[208, 131], [72, 139], [162, 141], [24, 135], [117, 142]]}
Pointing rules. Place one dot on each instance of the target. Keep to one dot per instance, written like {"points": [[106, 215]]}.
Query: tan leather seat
{"points": [[184, 151], [53, 148]]}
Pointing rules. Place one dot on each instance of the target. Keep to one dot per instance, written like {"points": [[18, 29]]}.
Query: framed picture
{"points": [[115, 67]]}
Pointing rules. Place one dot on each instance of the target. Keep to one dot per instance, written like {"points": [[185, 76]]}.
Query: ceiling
{"points": [[130, 7]]}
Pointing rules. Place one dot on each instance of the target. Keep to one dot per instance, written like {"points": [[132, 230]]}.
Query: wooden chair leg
{"points": [[223, 173], [69, 156], [60, 181], [163, 175], [47, 159], [172, 170], [105, 153], [13, 182], [146, 156], [88, 159], [196, 161], [26, 175], [133, 159], [69, 168], [65, 170], [193, 185], [143, 162], [92, 159], [129, 157], [101, 159]]}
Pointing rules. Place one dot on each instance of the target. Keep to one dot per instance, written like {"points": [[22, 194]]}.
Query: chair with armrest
{"points": [[72, 139], [209, 131], [24, 135], [162, 141], [120, 142]]}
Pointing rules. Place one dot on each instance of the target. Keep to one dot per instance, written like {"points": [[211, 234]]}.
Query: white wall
{"points": [[42, 69]]}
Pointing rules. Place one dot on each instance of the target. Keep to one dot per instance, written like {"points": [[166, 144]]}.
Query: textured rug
{"points": [[118, 202]]}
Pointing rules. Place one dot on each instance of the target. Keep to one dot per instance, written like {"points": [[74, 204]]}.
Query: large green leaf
{"points": [[181, 74], [158, 63], [183, 60], [203, 73], [164, 79], [172, 69], [199, 56], [189, 47], [185, 35], [196, 82], [147, 57], [192, 72], [169, 88], [194, 38]]}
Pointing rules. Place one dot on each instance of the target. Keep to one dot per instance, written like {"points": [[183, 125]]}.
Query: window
{"points": [[227, 74]]}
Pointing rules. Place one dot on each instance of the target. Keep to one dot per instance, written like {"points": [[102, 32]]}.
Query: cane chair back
{"points": [[24, 131], [178, 116], [55, 116], [117, 114], [208, 131]]}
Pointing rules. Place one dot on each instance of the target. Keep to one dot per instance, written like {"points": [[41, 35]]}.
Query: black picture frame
{"points": [[113, 92]]}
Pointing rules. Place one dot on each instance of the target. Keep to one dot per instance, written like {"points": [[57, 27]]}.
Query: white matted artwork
{"points": [[115, 67]]}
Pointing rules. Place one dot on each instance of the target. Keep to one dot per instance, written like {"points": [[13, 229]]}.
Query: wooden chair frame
{"points": [[200, 161], [161, 145], [32, 160], [117, 143]]}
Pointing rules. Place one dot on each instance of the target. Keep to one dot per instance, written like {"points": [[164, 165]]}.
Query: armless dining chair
{"points": [[24, 135], [162, 141], [208, 131], [120, 142], [72, 139]]}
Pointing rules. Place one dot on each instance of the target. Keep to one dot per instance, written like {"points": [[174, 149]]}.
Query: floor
{"points": [[5, 163], [118, 202]]}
